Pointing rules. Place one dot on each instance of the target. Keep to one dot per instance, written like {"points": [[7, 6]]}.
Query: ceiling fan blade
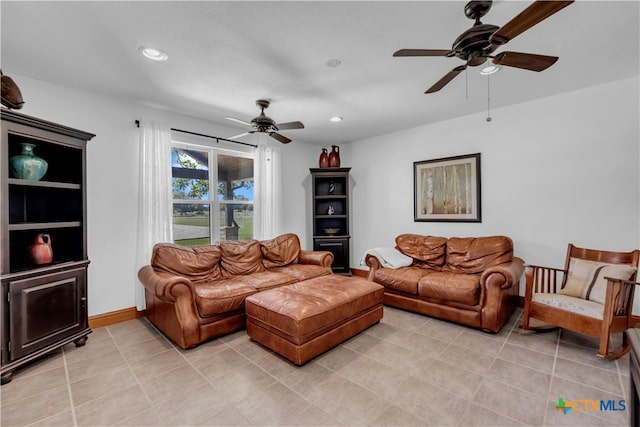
{"points": [[240, 135], [290, 125], [446, 79], [423, 52], [526, 61], [233, 119], [534, 14], [280, 138]]}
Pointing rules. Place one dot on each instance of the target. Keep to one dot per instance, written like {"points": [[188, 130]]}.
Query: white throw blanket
{"points": [[388, 257]]}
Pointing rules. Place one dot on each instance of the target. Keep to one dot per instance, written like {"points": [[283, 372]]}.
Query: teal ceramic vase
{"points": [[27, 165]]}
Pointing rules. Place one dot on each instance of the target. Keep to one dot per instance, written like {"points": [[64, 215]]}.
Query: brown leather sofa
{"points": [[472, 281], [197, 293]]}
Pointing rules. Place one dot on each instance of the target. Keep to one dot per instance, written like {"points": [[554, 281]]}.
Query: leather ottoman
{"points": [[305, 319]]}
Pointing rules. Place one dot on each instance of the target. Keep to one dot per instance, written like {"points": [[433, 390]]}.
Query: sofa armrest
{"points": [[374, 264], [321, 258], [504, 275], [167, 287], [500, 289]]}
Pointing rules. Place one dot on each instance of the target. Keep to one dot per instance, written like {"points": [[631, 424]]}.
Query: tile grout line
{"points": [[484, 377], [126, 361], [553, 376], [71, 402]]}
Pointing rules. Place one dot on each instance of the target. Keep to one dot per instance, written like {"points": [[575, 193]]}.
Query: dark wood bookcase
{"points": [[44, 306], [330, 194]]}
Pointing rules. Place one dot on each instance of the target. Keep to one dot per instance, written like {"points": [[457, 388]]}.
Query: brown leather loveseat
{"points": [[472, 281], [197, 293]]}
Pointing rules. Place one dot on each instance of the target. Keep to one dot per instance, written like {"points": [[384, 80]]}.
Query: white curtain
{"points": [[267, 195], [154, 196]]}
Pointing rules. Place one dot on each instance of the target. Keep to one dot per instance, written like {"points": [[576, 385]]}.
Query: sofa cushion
{"points": [[240, 257], [222, 296], [267, 280], [197, 263], [586, 279], [476, 254], [282, 250], [451, 287], [428, 251], [404, 279], [303, 271]]}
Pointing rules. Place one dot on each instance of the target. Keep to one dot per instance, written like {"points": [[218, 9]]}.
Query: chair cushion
{"points": [[572, 304], [586, 279], [451, 287], [240, 257], [283, 250]]}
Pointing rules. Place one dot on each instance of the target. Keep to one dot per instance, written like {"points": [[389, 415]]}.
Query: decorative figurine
{"points": [[334, 157], [11, 96], [324, 159]]}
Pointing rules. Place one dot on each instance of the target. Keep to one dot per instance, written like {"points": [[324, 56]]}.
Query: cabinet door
{"points": [[340, 250], [46, 309]]}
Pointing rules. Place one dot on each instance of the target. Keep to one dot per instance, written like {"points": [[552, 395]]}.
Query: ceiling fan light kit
{"points": [[153, 54], [265, 124], [477, 44], [489, 69]]}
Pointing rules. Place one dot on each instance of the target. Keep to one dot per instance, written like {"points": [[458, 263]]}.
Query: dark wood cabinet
{"points": [[330, 194], [44, 305]]}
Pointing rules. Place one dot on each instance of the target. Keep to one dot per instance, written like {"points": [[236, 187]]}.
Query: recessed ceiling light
{"points": [[489, 69], [333, 63], [335, 119], [153, 53]]}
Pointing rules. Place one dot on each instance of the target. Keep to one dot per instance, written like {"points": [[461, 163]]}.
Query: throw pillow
{"points": [[586, 279], [580, 273], [598, 289]]}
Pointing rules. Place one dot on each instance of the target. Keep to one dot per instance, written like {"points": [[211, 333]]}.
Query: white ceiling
{"points": [[225, 55]]}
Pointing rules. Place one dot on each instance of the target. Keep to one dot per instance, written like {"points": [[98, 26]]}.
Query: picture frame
{"points": [[447, 189]]}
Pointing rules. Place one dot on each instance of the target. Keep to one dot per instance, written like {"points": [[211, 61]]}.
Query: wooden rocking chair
{"points": [[592, 295]]}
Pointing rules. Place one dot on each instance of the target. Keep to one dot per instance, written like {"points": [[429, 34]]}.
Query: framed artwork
{"points": [[447, 189]]}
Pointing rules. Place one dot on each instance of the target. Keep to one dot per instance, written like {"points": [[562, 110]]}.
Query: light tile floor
{"points": [[407, 370]]}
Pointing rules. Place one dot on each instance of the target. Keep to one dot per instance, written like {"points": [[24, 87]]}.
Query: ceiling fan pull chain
{"points": [[466, 83], [488, 99]]}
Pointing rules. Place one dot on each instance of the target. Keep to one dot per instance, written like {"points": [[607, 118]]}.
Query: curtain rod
{"points": [[217, 138]]}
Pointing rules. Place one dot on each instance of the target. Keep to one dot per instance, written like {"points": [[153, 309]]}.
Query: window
{"points": [[212, 194]]}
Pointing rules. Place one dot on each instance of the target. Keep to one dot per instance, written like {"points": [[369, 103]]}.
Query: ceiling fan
{"points": [[266, 124], [478, 43]]}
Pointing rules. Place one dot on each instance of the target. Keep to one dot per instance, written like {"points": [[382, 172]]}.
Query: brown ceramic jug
{"points": [[40, 252], [334, 157], [324, 159]]}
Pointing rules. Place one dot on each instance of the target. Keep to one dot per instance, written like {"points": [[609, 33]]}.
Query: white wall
{"points": [[112, 178], [556, 170]]}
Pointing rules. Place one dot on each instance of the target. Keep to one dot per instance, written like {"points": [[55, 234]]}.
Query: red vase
{"points": [[40, 252], [334, 157], [324, 159]]}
